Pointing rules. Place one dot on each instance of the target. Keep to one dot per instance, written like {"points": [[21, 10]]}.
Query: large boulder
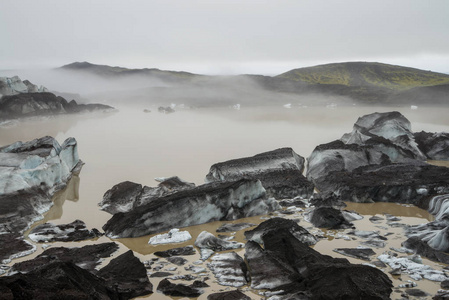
{"points": [[124, 277], [58, 280], [127, 275], [87, 257], [291, 226], [202, 204], [288, 266], [280, 172]]}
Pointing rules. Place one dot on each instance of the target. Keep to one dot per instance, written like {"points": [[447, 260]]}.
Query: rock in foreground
{"points": [[202, 204], [292, 268], [123, 278], [87, 257]]}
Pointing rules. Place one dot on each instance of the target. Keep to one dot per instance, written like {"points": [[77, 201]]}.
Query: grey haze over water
{"points": [[224, 37]]}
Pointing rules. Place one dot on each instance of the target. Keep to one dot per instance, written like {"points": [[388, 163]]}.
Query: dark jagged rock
{"points": [[230, 227], [229, 295], [360, 253], [281, 224], [348, 281], [123, 278], [187, 250], [290, 267], [179, 261], [416, 293], [12, 245], [177, 290], [293, 267], [87, 257], [161, 274], [229, 269], [266, 271], [75, 231], [36, 104], [207, 240], [280, 172], [328, 199], [328, 217], [127, 275], [127, 195], [202, 204], [402, 183], [57, 280], [434, 145], [30, 174], [445, 285]]}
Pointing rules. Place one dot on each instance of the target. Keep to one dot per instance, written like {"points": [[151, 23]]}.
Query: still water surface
{"points": [[136, 146]]}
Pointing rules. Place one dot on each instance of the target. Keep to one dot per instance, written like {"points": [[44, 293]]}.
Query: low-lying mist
{"points": [[198, 91]]}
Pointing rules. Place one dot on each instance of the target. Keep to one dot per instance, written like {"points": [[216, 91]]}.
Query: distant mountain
{"points": [[367, 74], [368, 83], [119, 72]]}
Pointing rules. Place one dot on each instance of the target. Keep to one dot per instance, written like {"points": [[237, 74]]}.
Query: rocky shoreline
{"points": [[381, 160]]}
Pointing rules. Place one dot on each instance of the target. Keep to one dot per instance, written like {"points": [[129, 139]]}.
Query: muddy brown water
{"points": [[137, 146]]}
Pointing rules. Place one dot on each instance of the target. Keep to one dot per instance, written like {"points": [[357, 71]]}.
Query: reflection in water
{"points": [[70, 192]]}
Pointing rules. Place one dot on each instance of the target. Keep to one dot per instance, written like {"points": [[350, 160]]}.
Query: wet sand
{"points": [[137, 146]]}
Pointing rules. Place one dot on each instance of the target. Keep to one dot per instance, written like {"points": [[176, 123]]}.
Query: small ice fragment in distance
{"points": [[173, 236], [288, 105]]}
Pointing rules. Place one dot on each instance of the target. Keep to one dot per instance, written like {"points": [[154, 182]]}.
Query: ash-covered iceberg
{"points": [[280, 172], [198, 205], [378, 138], [30, 173]]}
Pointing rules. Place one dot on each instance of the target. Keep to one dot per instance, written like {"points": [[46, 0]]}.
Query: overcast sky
{"points": [[224, 37]]}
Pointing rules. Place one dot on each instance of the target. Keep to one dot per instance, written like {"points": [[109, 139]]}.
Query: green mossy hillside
{"points": [[367, 74]]}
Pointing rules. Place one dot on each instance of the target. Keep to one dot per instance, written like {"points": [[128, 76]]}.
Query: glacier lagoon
{"points": [[133, 145]]}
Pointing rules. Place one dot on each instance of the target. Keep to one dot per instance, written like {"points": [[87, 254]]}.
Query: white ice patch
{"points": [[415, 270], [173, 236]]}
